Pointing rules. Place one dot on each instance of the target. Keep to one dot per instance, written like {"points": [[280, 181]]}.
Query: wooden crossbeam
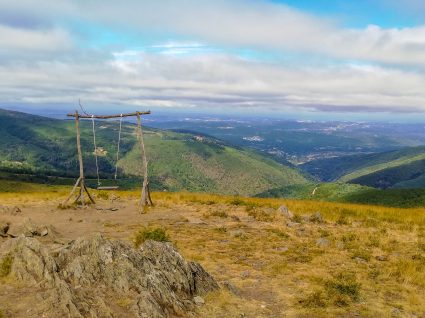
{"points": [[109, 116]]}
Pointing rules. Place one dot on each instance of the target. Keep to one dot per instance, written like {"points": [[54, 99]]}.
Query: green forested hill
{"points": [[399, 169], [177, 161], [350, 193]]}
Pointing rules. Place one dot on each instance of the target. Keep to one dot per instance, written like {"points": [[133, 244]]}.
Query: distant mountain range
{"points": [[45, 149], [40, 149]]}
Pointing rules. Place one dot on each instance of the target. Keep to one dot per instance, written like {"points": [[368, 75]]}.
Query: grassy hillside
{"points": [[392, 176], [33, 145], [351, 167], [350, 193], [396, 169]]}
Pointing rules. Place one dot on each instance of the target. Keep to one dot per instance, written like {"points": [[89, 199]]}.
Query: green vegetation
{"points": [[6, 265], [396, 169], [350, 193], [156, 234], [42, 150], [351, 167]]}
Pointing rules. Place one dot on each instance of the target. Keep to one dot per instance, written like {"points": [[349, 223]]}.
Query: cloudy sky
{"points": [[323, 56]]}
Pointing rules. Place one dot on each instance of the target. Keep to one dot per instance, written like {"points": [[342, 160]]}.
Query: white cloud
{"points": [[190, 73], [264, 25], [33, 40], [215, 81]]}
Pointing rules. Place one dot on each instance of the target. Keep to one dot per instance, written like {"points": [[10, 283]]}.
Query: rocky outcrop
{"points": [[29, 229], [86, 277], [11, 210], [4, 228]]}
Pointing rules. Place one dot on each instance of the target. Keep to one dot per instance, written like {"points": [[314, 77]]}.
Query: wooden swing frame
{"points": [[145, 199]]}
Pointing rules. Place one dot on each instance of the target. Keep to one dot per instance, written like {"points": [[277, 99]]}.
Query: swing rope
{"points": [[118, 149], [95, 150], [96, 154]]}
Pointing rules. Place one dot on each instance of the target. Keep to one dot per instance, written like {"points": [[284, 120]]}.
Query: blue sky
{"points": [[357, 13], [299, 57]]}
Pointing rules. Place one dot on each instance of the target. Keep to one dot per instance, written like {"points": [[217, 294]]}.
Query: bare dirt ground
{"points": [[267, 264]]}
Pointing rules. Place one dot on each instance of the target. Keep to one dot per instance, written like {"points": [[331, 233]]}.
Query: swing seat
{"points": [[108, 188]]}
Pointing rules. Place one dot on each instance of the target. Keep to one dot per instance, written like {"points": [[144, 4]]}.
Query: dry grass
{"points": [[373, 264]]}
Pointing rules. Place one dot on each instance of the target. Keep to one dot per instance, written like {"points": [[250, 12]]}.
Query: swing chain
{"points": [[95, 150], [118, 148]]}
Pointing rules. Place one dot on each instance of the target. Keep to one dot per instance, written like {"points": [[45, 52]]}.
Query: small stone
{"points": [[381, 258], [268, 210], [322, 242], [237, 233], [292, 224], [44, 231], [359, 260], [235, 218], [197, 221], [4, 228], [198, 300], [285, 212], [396, 312], [282, 249], [316, 218], [245, 274], [30, 229], [231, 288], [15, 210]]}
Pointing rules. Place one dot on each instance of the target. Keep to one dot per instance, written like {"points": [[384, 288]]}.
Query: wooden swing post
{"points": [[81, 180], [146, 198]]}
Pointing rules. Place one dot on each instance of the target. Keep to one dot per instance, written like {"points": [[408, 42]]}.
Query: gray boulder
{"points": [[285, 212], [81, 275], [4, 228], [11, 210], [322, 242], [316, 218]]}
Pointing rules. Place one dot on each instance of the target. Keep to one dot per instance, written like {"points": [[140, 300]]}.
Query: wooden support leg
{"points": [[72, 191], [89, 195]]}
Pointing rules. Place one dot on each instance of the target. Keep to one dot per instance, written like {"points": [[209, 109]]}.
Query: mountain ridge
{"points": [[178, 161]]}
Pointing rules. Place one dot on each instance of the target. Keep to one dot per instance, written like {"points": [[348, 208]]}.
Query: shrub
{"points": [[374, 240], [220, 214], [236, 201], [350, 240], [297, 218], [156, 234], [6, 265], [362, 254], [343, 287], [324, 233], [279, 233], [343, 220], [103, 195], [260, 215], [221, 229], [315, 300]]}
